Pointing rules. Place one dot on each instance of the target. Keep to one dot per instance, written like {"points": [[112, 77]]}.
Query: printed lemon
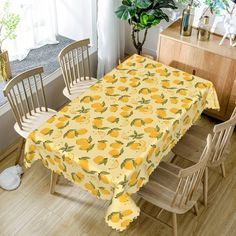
{"points": [[135, 146], [150, 66], [110, 91], [114, 133], [126, 212], [84, 164], [114, 152], [63, 118], [105, 191], [112, 119], [60, 125], [174, 100], [123, 80], [124, 99], [153, 90], [71, 134], [174, 110], [125, 114], [176, 73], [95, 87], [182, 92], [86, 99], [177, 81], [144, 91], [148, 120], [97, 122], [138, 161], [82, 131], [165, 84], [51, 161], [126, 108], [123, 197], [32, 148], [65, 109], [132, 72], [115, 217], [185, 105], [82, 141], [133, 179], [129, 165], [99, 159], [96, 97], [116, 145], [68, 160], [113, 108], [144, 109], [109, 78], [138, 123], [161, 113], [89, 186], [80, 119], [47, 147], [122, 88], [62, 167], [51, 120], [101, 145], [158, 99], [103, 177]]}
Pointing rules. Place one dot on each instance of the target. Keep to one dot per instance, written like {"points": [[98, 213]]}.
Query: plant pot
{"points": [[5, 69]]}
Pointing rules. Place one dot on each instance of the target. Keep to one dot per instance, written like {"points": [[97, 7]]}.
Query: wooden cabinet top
{"points": [[173, 32]]}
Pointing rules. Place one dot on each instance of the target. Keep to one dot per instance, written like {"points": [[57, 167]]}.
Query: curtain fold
{"points": [[111, 36], [37, 27]]}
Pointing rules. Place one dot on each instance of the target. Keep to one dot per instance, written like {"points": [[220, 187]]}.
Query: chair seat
{"points": [[33, 122], [78, 88], [192, 144], [161, 188]]}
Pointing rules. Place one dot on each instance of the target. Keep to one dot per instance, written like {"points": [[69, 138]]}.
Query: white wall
{"points": [[55, 100]]}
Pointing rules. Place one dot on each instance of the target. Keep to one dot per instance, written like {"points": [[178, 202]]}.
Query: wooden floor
{"points": [[31, 210]]}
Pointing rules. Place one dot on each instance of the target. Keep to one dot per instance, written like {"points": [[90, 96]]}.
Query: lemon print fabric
{"points": [[111, 138]]}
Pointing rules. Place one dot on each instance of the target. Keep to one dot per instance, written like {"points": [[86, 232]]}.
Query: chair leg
{"points": [[173, 159], [223, 169], [19, 149], [174, 223], [196, 209], [53, 182], [205, 186]]}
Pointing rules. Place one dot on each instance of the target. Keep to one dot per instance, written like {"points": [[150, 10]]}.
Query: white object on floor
{"points": [[10, 178]]}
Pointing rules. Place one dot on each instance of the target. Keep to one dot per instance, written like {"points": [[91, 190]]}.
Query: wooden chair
{"points": [[175, 189], [26, 96], [76, 74], [194, 141]]}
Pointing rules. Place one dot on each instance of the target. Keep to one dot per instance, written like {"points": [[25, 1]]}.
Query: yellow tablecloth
{"points": [[110, 139]]}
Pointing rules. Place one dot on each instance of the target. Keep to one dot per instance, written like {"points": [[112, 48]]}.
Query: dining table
{"points": [[111, 138]]}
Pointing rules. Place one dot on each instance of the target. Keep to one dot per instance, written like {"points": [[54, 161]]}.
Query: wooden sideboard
{"points": [[207, 60]]}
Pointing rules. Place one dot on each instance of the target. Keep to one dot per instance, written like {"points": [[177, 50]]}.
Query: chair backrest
{"points": [[221, 140], [70, 61], [26, 95], [191, 177]]}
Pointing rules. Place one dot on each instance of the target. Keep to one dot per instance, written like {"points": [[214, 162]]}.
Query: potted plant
{"points": [[8, 25], [142, 15]]}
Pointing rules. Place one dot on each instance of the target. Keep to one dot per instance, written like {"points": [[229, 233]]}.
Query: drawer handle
{"points": [[194, 72]]}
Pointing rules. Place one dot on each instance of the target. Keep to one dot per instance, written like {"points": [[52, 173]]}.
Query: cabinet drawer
{"points": [[207, 65]]}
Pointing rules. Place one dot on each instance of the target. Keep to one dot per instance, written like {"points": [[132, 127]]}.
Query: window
{"points": [[41, 21]]}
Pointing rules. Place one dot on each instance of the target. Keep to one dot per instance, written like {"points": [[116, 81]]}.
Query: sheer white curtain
{"points": [[37, 27], [111, 36]]}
